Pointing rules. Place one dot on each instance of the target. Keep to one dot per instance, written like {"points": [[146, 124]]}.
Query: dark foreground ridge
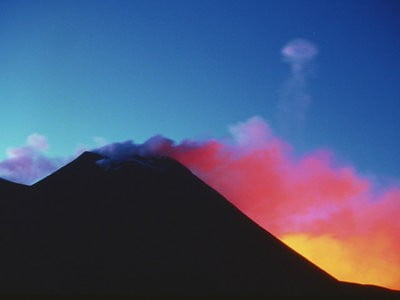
{"points": [[146, 226]]}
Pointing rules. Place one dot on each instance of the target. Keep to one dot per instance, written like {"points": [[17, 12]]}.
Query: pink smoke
{"points": [[307, 197], [327, 212]]}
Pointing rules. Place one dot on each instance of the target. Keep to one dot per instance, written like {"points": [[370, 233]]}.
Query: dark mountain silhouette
{"points": [[146, 226]]}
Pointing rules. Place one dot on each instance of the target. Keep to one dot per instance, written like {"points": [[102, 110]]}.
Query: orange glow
{"points": [[342, 257]]}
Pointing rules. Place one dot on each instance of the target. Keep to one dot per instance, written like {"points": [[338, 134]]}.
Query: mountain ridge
{"points": [[133, 228]]}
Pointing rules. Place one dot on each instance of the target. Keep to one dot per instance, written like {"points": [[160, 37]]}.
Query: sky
{"points": [[79, 72], [288, 108]]}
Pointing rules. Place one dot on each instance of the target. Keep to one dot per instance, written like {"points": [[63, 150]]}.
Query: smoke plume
{"points": [[325, 211], [328, 213]]}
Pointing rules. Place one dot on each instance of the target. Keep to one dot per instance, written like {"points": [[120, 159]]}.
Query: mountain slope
{"points": [[146, 226]]}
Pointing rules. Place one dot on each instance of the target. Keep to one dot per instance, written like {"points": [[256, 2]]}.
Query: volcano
{"points": [[144, 226]]}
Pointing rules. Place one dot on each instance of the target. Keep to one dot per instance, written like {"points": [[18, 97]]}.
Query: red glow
{"points": [[328, 213]]}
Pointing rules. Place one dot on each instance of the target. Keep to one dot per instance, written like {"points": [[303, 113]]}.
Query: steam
{"points": [[295, 99]]}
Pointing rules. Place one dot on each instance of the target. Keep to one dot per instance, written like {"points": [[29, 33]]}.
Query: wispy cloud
{"points": [[28, 163]]}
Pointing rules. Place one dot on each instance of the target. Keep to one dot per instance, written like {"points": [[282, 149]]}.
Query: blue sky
{"points": [[76, 70]]}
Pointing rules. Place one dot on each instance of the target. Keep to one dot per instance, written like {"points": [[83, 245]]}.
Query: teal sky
{"points": [[76, 70]]}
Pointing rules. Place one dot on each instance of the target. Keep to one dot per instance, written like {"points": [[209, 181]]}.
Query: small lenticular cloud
{"points": [[298, 53], [295, 99]]}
